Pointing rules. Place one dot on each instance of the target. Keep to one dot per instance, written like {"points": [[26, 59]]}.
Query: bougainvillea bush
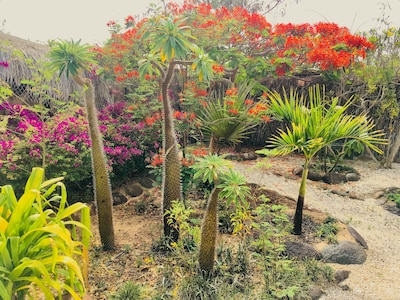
{"points": [[61, 144]]}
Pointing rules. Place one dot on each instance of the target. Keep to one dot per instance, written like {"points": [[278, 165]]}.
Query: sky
{"points": [[43, 20]]}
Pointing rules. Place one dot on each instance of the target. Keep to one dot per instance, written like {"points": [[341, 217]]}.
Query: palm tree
{"points": [[73, 58], [171, 42], [230, 184], [315, 124]]}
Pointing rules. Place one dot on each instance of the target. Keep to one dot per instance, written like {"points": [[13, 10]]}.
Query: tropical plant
{"points": [[42, 248], [314, 124], [73, 58], [214, 169], [232, 118], [171, 44]]}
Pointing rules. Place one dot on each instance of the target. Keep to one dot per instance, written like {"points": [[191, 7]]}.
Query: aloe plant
{"points": [[72, 58], [37, 250]]}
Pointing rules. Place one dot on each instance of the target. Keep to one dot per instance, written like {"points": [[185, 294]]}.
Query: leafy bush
{"points": [[38, 252], [61, 144]]}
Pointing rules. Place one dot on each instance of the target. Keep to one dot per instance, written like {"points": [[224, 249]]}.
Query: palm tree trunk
{"points": [[101, 181], [298, 216], [171, 185], [209, 234]]}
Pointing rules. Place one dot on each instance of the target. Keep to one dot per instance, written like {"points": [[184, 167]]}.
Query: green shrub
{"points": [[41, 247]]}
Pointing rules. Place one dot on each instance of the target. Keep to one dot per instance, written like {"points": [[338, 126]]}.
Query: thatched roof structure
{"points": [[23, 58]]}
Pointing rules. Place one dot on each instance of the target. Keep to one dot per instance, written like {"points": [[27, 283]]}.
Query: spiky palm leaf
{"points": [[314, 125]]}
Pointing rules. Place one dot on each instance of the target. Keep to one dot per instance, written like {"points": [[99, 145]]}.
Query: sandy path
{"points": [[379, 277]]}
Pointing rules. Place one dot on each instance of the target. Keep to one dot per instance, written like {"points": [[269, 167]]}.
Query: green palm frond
{"points": [[318, 122], [170, 38], [70, 57]]}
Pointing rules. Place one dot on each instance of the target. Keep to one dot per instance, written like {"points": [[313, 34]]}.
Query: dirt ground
{"points": [[136, 232]]}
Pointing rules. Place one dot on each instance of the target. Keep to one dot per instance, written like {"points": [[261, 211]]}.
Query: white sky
{"points": [[41, 20]]}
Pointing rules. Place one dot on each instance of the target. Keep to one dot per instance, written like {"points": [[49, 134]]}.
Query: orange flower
{"points": [[149, 120], [218, 68], [234, 111], [266, 118], [230, 102], [199, 152], [248, 102], [157, 160], [187, 162]]}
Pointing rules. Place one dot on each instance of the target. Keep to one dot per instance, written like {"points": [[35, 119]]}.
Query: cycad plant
{"points": [[37, 250], [170, 41], [231, 186], [314, 124], [73, 58]]}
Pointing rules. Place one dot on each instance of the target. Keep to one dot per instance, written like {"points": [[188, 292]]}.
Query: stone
{"points": [[341, 275], [118, 198], [134, 190], [357, 236], [315, 292], [301, 251], [334, 178], [146, 182], [345, 253], [352, 176]]}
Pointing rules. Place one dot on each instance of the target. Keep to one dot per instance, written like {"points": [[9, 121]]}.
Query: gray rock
{"points": [[315, 292], [345, 253], [357, 236], [341, 275], [352, 176], [118, 198], [134, 190], [301, 251], [146, 182]]}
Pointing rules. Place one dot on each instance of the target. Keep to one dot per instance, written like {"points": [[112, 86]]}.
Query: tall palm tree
{"points": [[170, 41], [73, 58], [314, 124]]}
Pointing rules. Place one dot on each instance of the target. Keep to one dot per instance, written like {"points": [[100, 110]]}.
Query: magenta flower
{"points": [[4, 64]]}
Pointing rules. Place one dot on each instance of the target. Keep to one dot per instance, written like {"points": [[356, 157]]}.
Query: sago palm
{"points": [[73, 58], [314, 124]]}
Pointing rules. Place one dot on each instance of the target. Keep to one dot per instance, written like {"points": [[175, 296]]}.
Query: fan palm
{"points": [[314, 125], [73, 58]]}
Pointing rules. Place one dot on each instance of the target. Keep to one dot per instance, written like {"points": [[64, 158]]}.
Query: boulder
{"points": [[345, 253], [301, 251], [134, 190], [341, 275], [118, 198]]}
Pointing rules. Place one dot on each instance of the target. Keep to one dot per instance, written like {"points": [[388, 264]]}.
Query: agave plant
{"points": [[73, 58], [37, 250], [315, 124]]}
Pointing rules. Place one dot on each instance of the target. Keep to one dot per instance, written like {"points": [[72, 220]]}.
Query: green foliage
{"points": [[328, 229], [38, 251], [273, 227], [70, 57], [128, 291], [210, 167], [395, 197], [233, 188]]}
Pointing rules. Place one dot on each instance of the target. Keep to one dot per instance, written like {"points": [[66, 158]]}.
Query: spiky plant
{"points": [[315, 124], [170, 41], [73, 58]]}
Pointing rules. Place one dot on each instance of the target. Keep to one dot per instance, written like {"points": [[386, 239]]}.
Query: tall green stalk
{"points": [[101, 180], [171, 183]]}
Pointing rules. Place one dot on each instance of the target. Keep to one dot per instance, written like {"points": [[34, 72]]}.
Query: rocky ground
{"points": [[354, 203]]}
